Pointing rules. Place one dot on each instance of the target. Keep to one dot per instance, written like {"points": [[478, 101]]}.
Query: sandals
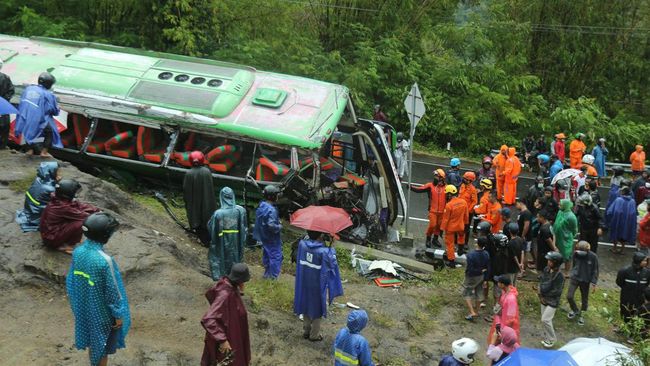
{"points": [[616, 250], [471, 317], [317, 339]]}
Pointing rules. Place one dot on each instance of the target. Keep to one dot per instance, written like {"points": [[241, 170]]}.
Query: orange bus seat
{"points": [[222, 158], [325, 163], [81, 128], [353, 179], [149, 142], [182, 158], [268, 170], [121, 145]]}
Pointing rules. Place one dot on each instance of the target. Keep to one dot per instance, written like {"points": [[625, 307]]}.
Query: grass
{"points": [[265, 294], [22, 185]]}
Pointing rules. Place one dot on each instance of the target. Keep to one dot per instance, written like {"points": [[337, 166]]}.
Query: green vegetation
{"points": [[490, 71], [22, 185]]}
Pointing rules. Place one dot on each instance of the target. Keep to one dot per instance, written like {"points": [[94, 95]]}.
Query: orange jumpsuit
{"points": [[483, 204], [499, 163], [576, 150], [454, 219], [637, 158], [591, 171], [493, 216], [512, 171], [437, 201]]}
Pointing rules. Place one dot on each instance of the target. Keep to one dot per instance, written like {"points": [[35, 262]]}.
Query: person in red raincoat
{"points": [[226, 322], [506, 312], [63, 217]]}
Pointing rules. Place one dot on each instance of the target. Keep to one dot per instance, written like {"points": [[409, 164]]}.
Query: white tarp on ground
{"points": [[599, 352]]}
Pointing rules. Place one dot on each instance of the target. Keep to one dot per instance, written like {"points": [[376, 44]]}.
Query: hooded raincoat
{"points": [[632, 280], [499, 163], [509, 313], [317, 279], [600, 156], [577, 149], [37, 196], [62, 220], [226, 320], [267, 231], [565, 228], [35, 112], [228, 231], [350, 347], [637, 159], [622, 220], [97, 297], [198, 194], [511, 172]]}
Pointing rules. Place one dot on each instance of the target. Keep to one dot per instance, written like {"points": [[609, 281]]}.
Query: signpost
{"points": [[414, 105]]}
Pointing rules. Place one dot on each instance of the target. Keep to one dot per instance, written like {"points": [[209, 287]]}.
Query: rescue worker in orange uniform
{"points": [[588, 161], [454, 219], [437, 200], [483, 200], [493, 213], [637, 159], [511, 172], [577, 149], [499, 163], [469, 194]]}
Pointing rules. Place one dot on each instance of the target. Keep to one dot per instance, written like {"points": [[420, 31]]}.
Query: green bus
{"points": [[145, 111]]}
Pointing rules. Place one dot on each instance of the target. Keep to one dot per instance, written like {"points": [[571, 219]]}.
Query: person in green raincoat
{"points": [[565, 229], [228, 230]]}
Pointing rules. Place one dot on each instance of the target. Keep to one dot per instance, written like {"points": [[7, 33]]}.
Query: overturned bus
{"points": [[145, 112]]}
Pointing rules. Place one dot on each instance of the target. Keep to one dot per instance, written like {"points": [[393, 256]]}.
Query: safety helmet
{"points": [[512, 228], [271, 192], [562, 184], [454, 162], [487, 160], [543, 158], [197, 158], [486, 183], [618, 170], [400, 136], [67, 188], [588, 159], [580, 135], [440, 173], [100, 226], [464, 349], [539, 178], [46, 80], [626, 182], [451, 189], [501, 240], [505, 212], [470, 176], [555, 257], [484, 227]]}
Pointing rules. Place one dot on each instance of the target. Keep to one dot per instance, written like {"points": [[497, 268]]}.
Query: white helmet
{"points": [[588, 159], [464, 349]]}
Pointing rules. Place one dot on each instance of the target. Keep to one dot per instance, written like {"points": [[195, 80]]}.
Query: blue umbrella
{"points": [[6, 107], [537, 357]]}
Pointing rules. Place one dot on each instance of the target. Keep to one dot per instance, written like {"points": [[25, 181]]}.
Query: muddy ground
{"points": [[166, 275]]}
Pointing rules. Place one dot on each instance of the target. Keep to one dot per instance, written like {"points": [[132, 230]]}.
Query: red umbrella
{"points": [[326, 219]]}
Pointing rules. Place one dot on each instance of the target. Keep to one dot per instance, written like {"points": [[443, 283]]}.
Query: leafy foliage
{"points": [[490, 71]]}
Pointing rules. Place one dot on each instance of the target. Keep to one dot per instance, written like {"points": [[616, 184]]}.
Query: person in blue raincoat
{"points": [[317, 281], [228, 229], [600, 153], [36, 111], [350, 347], [622, 222], [556, 167], [96, 293], [267, 231], [38, 195]]}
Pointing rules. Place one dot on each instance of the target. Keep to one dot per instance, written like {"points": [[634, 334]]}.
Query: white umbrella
{"points": [[599, 352], [566, 173]]}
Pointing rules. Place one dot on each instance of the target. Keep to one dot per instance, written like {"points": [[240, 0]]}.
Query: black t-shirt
{"points": [[516, 245], [543, 247], [524, 216]]}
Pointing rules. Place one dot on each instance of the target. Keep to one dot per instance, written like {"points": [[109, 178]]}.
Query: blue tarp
{"points": [[537, 357]]}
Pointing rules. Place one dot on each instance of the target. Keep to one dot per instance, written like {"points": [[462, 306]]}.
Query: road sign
{"points": [[414, 106]]}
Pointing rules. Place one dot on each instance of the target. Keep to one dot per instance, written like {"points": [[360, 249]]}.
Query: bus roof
{"points": [[235, 99]]}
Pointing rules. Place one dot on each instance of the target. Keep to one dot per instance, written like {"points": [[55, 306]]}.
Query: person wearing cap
{"points": [[499, 163], [558, 148], [350, 347], [622, 220], [38, 195], [637, 159], [590, 221], [633, 280], [198, 194], [600, 153], [565, 229], [63, 217], [506, 216], [468, 194], [226, 322], [551, 284], [317, 281], [437, 201], [577, 149], [96, 292], [35, 120], [506, 312], [267, 232], [454, 219], [584, 275], [228, 231], [486, 172], [511, 173], [6, 91], [401, 155], [503, 343], [453, 173]]}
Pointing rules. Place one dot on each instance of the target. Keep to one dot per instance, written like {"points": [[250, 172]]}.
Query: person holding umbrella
{"points": [[6, 92]]}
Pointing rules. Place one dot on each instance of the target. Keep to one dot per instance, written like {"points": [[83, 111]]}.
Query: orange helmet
{"points": [[470, 176], [440, 173]]}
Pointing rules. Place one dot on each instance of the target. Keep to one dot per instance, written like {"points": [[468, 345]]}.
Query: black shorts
{"points": [[111, 342]]}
